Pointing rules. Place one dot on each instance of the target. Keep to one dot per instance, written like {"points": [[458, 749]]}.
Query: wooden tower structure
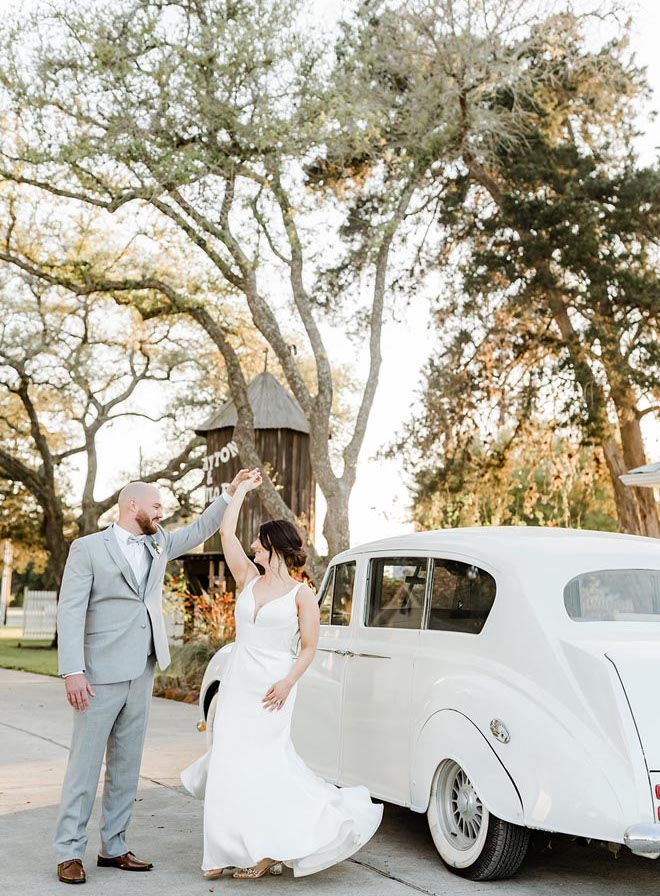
{"points": [[282, 440]]}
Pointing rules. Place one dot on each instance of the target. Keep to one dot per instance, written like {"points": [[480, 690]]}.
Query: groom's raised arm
{"points": [[72, 609], [183, 540]]}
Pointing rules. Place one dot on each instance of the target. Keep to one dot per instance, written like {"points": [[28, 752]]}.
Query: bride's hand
{"points": [[241, 476], [276, 695], [251, 481]]}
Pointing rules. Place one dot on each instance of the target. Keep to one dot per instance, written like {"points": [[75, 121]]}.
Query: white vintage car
{"points": [[498, 679]]}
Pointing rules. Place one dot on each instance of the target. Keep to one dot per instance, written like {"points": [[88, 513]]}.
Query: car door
{"points": [[379, 677], [316, 723]]}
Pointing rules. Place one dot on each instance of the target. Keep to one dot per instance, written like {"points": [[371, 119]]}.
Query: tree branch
{"points": [[352, 450], [654, 409]]}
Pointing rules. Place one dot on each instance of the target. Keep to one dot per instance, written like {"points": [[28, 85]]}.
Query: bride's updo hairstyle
{"points": [[284, 539]]}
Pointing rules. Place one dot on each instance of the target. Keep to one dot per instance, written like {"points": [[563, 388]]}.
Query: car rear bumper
{"points": [[643, 840]]}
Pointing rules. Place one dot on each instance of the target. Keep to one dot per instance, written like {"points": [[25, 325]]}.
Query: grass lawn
{"points": [[38, 657]]}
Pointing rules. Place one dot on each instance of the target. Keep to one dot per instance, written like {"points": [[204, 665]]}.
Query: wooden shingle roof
{"points": [[272, 405]]}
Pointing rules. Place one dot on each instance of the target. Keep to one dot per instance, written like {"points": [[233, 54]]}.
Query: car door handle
{"points": [[334, 650]]}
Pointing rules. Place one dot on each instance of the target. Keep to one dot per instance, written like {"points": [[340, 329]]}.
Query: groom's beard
{"points": [[145, 523]]}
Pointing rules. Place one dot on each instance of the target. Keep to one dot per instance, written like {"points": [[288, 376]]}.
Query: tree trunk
{"points": [[336, 524], [627, 507], [634, 455], [624, 398], [636, 509], [56, 546]]}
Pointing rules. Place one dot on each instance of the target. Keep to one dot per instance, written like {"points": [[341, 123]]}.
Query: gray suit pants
{"points": [[114, 724]]}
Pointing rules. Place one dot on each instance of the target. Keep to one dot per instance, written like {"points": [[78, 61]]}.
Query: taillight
{"points": [[657, 791]]}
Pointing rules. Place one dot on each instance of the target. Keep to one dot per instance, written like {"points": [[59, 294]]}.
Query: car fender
{"points": [[449, 734], [212, 676]]}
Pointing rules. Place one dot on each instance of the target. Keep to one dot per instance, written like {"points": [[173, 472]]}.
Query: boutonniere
{"points": [[156, 546]]}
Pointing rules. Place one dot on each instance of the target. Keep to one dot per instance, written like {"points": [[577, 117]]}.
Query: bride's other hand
{"points": [[276, 695]]}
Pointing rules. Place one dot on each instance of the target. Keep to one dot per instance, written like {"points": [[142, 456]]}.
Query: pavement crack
{"points": [[34, 734], [171, 787], [399, 880], [57, 743]]}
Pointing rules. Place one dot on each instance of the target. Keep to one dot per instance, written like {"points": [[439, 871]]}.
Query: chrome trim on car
{"points": [[499, 731], [643, 839], [375, 656], [428, 593]]}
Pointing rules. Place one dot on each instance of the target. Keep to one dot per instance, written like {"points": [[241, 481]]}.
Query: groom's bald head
{"points": [[141, 502], [137, 491]]}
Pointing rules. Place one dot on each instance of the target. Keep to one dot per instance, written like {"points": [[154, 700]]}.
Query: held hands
{"points": [[241, 477], [276, 695], [77, 689], [252, 480]]}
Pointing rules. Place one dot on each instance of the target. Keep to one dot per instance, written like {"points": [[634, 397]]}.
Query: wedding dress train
{"points": [[261, 800]]}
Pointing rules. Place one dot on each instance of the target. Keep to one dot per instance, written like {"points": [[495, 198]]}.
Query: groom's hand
{"points": [[77, 691], [241, 476]]}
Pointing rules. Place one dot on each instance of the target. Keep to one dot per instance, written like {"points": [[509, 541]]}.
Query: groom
{"points": [[111, 633]]}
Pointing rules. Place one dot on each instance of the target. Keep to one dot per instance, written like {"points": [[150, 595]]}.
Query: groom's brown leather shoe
{"points": [[71, 872], [127, 862]]}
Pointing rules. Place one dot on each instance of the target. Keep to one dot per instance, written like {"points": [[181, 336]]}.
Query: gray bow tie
{"points": [[135, 539]]}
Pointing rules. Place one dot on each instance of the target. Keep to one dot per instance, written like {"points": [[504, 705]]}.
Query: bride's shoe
{"points": [[215, 873], [258, 870]]}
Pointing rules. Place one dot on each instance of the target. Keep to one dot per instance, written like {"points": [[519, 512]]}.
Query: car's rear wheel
{"points": [[471, 842], [210, 719]]}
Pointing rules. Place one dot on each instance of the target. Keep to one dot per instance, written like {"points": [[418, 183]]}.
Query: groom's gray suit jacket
{"points": [[105, 617]]}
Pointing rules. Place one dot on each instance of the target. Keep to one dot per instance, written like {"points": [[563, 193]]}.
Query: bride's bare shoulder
{"points": [[304, 595]]}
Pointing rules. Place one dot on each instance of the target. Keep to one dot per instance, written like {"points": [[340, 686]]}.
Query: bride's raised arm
{"points": [[240, 565]]}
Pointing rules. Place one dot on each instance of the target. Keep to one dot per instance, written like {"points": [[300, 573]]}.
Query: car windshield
{"points": [[614, 595]]}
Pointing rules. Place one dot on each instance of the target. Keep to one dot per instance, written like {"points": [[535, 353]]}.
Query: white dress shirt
{"points": [[137, 554], [135, 550]]}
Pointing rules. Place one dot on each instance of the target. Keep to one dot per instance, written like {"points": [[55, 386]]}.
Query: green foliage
{"points": [[70, 368], [548, 314], [172, 92], [482, 147], [206, 615], [21, 520], [39, 658], [183, 678], [537, 480]]}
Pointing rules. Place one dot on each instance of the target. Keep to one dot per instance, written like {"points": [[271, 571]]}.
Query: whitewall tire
{"points": [[471, 841]]}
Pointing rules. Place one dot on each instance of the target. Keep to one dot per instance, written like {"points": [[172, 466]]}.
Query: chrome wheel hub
{"points": [[467, 803], [460, 809]]}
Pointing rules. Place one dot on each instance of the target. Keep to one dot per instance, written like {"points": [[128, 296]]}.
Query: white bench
{"points": [[39, 615]]}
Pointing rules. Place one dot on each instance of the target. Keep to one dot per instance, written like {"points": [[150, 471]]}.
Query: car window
{"points": [[336, 599], [461, 597], [325, 598], [396, 592], [614, 595], [342, 604]]}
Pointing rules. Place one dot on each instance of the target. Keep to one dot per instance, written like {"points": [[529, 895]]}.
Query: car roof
{"points": [[500, 545]]}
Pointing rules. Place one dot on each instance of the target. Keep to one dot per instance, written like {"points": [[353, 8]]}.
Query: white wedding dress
{"points": [[261, 800]]}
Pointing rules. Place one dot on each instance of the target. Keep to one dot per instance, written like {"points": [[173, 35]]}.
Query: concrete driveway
{"points": [[167, 825]]}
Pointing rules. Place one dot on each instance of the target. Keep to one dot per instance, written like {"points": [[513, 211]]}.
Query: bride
{"points": [[263, 806]]}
